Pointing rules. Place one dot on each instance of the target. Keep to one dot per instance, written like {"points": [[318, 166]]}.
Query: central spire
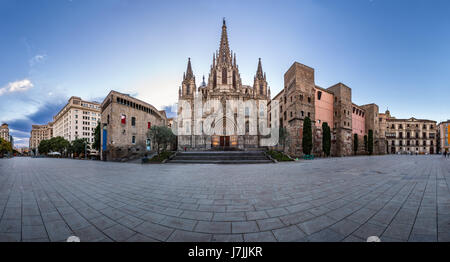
{"points": [[224, 52]]}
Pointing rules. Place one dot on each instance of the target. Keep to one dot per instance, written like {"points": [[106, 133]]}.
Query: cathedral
{"points": [[208, 114]]}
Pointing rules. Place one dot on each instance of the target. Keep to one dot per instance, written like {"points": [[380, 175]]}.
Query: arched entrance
{"points": [[225, 134]]}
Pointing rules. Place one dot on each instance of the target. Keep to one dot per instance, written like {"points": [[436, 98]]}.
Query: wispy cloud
{"points": [[17, 86], [40, 58]]}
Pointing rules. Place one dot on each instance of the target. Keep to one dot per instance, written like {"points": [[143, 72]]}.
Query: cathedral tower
{"points": [[224, 75]]}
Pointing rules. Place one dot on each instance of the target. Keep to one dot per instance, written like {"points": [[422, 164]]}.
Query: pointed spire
{"points": [[224, 52], [203, 82], [189, 73], [259, 71]]}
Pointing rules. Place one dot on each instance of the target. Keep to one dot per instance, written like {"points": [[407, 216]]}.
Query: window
{"points": [[309, 114], [224, 76], [133, 140], [303, 113], [133, 121], [149, 125], [309, 99], [319, 95], [123, 119]]}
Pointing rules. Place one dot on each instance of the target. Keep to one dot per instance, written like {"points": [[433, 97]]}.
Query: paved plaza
{"points": [[395, 197]]}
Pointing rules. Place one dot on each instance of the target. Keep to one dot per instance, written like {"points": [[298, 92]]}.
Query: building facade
{"points": [[225, 131], [4, 132], [410, 136], [77, 119], [301, 98], [39, 133], [443, 137], [125, 123]]}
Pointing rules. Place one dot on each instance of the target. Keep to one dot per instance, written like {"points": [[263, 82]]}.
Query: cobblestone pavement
{"points": [[398, 198]]}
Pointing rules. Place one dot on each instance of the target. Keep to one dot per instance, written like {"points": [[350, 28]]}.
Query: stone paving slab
{"points": [[397, 198]]}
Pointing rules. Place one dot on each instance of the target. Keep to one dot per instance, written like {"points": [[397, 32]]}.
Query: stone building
{"points": [[411, 135], [125, 123], [359, 127], [4, 131], [443, 137], [218, 127], [39, 133], [301, 98], [77, 119], [374, 121]]}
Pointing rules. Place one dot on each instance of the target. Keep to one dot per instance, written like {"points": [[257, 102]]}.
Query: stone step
{"points": [[221, 157], [219, 153], [197, 161], [210, 157]]}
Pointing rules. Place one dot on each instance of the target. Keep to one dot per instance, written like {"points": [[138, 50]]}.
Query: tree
{"points": [[44, 146], [5, 146], [59, 144], [79, 145], [365, 143], [162, 136], [370, 142], [96, 144], [355, 143], [326, 138], [283, 137], [307, 136]]}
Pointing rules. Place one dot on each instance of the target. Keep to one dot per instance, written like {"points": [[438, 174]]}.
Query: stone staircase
{"points": [[221, 157]]}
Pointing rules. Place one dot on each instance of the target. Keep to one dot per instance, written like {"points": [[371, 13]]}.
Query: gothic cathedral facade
{"points": [[201, 131]]}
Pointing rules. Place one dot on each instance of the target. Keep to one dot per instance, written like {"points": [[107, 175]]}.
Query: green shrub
{"points": [[162, 156], [279, 156]]}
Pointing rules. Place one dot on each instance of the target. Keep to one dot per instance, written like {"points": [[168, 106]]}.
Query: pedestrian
{"points": [[445, 154]]}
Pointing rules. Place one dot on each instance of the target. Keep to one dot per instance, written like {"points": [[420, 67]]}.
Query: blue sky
{"points": [[395, 53]]}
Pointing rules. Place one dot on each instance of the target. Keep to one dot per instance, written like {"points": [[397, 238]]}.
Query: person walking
{"points": [[445, 154]]}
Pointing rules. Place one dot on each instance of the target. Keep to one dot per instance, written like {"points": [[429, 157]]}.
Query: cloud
{"points": [[37, 59], [17, 86], [42, 115], [171, 110]]}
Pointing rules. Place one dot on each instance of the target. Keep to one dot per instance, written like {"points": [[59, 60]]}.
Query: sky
{"points": [[395, 53]]}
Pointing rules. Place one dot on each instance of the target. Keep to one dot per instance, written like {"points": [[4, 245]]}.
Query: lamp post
{"points": [[85, 150]]}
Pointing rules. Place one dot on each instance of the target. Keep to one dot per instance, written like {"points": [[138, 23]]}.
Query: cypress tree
{"points": [[370, 142], [307, 136], [355, 143], [365, 143], [326, 138]]}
